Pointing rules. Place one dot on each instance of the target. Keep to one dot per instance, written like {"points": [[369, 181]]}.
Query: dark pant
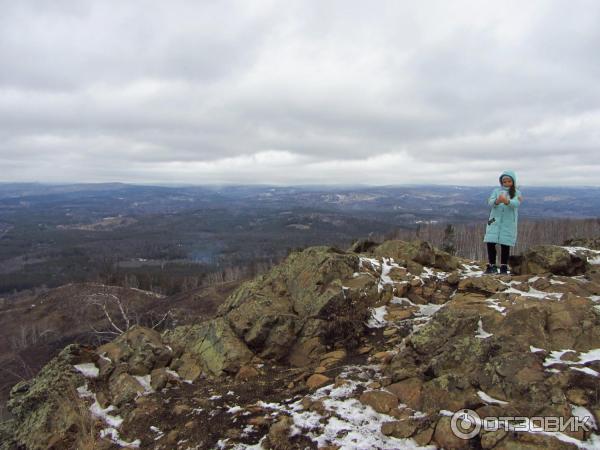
{"points": [[504, 252]]}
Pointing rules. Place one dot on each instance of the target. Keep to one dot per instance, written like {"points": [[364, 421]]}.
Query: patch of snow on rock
{"points": [[493, 303], [486, 398], [145, 383], [377, 319], [584, 414], [113, 435], [471, 270], [587, 371], [481, 333], [88, 370]]}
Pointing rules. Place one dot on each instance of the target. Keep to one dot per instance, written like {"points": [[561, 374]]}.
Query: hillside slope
{"points": [[375, 347]]}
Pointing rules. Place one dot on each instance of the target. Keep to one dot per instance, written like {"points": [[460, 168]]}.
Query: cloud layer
{"points": [[300, 91]]}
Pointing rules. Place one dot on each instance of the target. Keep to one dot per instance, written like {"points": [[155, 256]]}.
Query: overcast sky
{"points": [[300, 92]]}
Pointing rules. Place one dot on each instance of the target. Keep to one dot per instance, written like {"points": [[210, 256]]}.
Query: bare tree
{"points": [[119, 316]]}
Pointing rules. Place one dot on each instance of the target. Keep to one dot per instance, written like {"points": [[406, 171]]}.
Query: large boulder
{"points": [[140, 349], [304, 297], [549, 259], [420, 252], [309, 281], [363, 246], [212, 344], [124, 388]]}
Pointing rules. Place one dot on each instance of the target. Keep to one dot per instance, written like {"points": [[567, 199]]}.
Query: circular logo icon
{"points": [[465, 424]]}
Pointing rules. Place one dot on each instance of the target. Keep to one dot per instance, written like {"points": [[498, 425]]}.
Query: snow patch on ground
{"points": [[490, 400], [375, 265], [481, 333], [592, 256], [172, 373], [554, 357], [587, 371], [234, 409], [592, 355], [581, 278], [113, 422], [493, 303], [97, 410], [583, 413], [471, 270], [426, 310], [113, 435], [348, 423], [159, 433], [377, 319], [103, 413], [145, 383], [534, 293], [88, 370], [429, 309], [427, 273], [582, 359], [573, 249], [352, 426]]}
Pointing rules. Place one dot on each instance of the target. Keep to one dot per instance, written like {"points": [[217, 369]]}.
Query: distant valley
{"points": [[54, 234]]}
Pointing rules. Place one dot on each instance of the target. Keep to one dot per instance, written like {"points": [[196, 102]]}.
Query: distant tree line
{"points": [[244, 262], [172, 279]]}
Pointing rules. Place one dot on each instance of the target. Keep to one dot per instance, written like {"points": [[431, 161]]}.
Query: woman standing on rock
{"points": [[502, 224]]}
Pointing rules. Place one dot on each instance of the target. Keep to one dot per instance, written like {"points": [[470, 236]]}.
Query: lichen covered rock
{"points": [[302, 298], [141, 349], [213, 344], [549, 259], [47, 408]]}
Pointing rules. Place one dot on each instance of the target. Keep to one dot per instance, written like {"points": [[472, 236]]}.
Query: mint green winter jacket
{"points": [[502, 223]]}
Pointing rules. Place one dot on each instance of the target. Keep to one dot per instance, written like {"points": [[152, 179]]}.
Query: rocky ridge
{"points": [[374, 347]]}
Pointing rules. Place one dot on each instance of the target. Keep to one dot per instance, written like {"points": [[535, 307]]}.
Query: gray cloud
{"points": [[299, 92]]}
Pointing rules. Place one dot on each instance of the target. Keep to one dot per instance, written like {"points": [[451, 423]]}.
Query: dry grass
{"points": [[81, 433]]}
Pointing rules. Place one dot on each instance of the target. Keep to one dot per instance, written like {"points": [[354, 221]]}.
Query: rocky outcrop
{"points": [[591, 243], [549, 259], [420, 252], [47, 409], [497, 354], [427, 334], [210, 346], [363, 246], [300, 304], [137, 351]]}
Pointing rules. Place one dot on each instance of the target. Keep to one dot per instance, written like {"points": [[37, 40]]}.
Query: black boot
{"points": [[503, 269], [491, 269]]}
